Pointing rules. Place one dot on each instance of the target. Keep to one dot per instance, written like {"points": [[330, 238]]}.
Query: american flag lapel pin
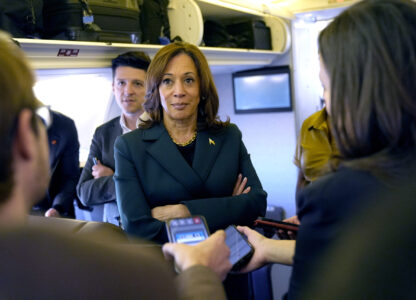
{"points": [[211, 142]]}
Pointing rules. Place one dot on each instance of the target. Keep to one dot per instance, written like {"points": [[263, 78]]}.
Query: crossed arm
{"points": [[166, 212]]}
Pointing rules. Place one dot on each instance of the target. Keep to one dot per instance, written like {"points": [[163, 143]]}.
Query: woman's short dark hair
{"points": [[369, 52], [209, 102]]}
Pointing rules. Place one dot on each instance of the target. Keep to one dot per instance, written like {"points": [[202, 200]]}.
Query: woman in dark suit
{"points": [[368, 65], [183, 160]]}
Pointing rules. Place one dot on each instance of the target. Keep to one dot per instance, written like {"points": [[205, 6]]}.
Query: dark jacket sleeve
{"points": [[239, 210], [135, 212], [95, 191], [67, 171]]}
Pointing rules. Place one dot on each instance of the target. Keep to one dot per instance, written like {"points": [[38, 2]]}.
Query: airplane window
{"points": [[84, 95]]}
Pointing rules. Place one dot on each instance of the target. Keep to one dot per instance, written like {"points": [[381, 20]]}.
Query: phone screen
{"points": [[240, 249], [189, 231]]}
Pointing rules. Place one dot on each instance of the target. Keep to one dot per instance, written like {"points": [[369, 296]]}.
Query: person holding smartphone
{"points": [[373, 120]]}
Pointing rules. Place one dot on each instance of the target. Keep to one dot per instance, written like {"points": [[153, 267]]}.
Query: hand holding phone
{"points": [[240, 249], [193, 230], [189, 231], [279, 227], [212, 253]]}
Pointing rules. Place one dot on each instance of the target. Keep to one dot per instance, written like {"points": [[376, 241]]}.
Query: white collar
{"points": [[125, 129]]}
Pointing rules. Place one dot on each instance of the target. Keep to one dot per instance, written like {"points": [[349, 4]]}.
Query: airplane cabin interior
{"points": [[75, 78]]}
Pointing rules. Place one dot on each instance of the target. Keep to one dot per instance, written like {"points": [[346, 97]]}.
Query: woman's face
{"points": [[179, 89], [324, 77]]}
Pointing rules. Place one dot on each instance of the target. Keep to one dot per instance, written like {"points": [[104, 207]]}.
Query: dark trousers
{"points": [[238, 287]]}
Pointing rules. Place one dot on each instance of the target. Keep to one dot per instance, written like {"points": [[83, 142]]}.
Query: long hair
{"points": [[209, 102], [369, 52], [16, 82]]}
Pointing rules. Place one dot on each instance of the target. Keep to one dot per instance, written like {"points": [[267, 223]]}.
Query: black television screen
{"points": [[262, 90]]}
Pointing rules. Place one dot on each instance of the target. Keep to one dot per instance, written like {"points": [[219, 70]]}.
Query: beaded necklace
{"points": [[185, 143]]}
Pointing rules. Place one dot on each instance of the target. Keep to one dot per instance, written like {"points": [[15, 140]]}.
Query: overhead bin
{"points": [[233, 11], [186, 18], [54, 54], [244, 7]]}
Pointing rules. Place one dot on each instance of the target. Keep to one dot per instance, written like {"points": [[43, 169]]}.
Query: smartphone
{"points": [[94, 160], [240, 249], [279, 227], [194, 229], [189, 231]]}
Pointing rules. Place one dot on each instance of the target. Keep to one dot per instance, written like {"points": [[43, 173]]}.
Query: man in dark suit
{"points": [[96, 185], [64, 165]]}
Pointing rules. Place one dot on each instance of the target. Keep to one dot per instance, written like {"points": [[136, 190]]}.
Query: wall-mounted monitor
{"points": [[262, 90]]}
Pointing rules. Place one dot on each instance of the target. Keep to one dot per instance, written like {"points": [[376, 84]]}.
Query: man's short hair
{"points": [[134, 59], [16, 82]]}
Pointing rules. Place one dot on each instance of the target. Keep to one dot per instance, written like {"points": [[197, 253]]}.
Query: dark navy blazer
{"points": [[64, 165], [324, 209], [151, 172]]}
